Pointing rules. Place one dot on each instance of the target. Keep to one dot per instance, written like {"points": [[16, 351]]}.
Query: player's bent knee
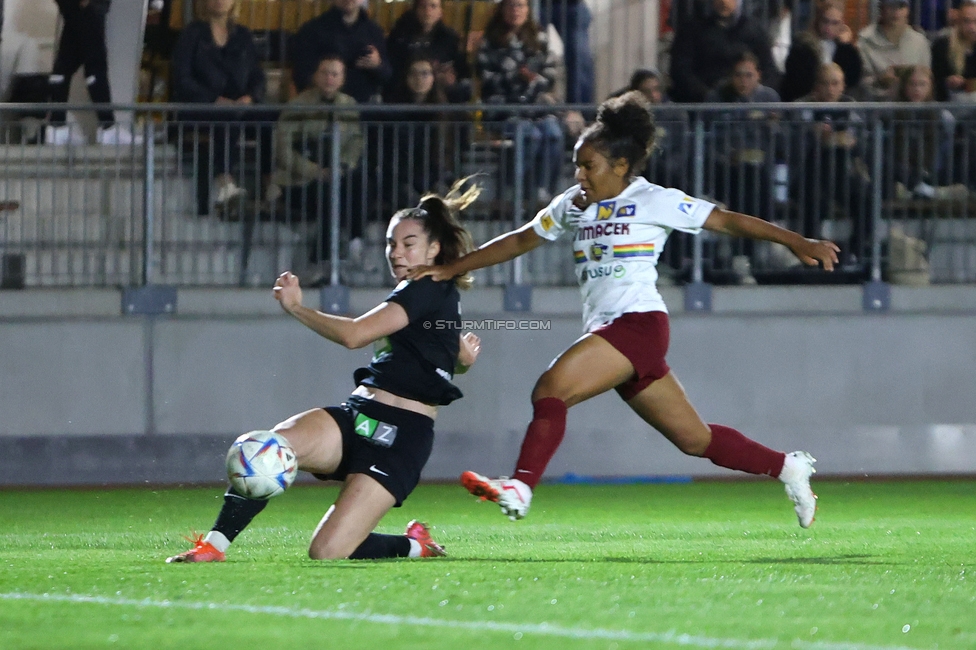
{"points": [[550, 385], [326, 552]]}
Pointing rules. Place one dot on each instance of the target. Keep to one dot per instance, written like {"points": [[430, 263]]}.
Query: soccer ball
{"points": [[261, 465]]}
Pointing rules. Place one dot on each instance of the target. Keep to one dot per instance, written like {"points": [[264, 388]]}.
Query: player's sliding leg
{"points": [[315, 437], [589, 367], [236, 513], [346, 529], [665, 406]]}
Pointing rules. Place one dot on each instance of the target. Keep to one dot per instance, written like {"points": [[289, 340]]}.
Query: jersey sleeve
{"points": [[672, 208], [550, 222], [417, 297]]}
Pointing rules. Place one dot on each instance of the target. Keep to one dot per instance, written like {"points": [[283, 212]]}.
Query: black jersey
{"points": [[417, 362]]}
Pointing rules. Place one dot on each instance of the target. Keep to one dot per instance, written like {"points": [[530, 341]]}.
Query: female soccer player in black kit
{"points": [[408, 378]]}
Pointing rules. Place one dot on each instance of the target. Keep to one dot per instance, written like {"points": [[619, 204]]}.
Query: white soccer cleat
{"points": [[511, 494], [797, 470]]}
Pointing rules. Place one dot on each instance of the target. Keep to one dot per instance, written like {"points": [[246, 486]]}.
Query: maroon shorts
{"points": [[643, 338]]}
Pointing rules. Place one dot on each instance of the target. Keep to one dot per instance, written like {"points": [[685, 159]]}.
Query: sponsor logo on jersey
{"points": [[381, 346], [687, 205], [547, 222], [604, 210], [605, 271], [584, 233], [628, 210], [633, 250], [597, 251]]}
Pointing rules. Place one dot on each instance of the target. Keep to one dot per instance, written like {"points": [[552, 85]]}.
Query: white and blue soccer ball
{"points": [[261, 464]]}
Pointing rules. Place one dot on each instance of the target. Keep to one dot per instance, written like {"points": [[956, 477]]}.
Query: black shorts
{"points": [[388, 444]]}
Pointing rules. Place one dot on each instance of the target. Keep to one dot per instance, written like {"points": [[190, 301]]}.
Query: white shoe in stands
{"points": [[63, 135], [117, 134]]}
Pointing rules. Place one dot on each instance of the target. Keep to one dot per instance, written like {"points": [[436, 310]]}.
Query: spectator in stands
{"points": [[648, 82], [706, 49], [83, 44], [215, 61], [517, 67], [954, 57], [781, 19], [421, 32], [416, 147], [933, 14], [303, 182], [345, 29], [834, 182], [744, 85], [667, 164], [888, 46], [828, 40], [745, 142], [572, 18], [922, 141]]}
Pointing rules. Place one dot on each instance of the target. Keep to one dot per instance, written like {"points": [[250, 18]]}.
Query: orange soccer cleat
{"points": [[511, 494], [202, 551], [420, 532]]}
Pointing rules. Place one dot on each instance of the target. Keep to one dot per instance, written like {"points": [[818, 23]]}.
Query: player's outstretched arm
{"points": [[500, 249], [352, 333], [810, 251]]}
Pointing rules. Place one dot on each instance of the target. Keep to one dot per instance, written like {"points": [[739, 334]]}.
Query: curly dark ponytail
{"points": [[438, 214], [624, 128]]}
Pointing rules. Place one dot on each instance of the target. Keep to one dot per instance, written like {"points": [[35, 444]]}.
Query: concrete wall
{"points": [[871, 394]]}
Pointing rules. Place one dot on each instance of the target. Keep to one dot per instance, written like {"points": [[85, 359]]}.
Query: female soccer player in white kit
{"points": [[619, 223]]}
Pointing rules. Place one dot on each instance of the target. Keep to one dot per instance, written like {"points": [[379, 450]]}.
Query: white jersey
{"points": [[617, 242]]}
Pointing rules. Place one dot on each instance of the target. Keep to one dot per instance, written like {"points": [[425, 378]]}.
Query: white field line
{"points": [[519, 629]]}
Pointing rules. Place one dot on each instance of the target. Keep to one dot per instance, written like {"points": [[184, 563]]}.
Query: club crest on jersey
{"points": [[597, 251], [627, 210], [604, 210], [687, 205]]}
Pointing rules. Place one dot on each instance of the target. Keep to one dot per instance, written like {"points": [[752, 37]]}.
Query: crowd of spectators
{"points": [[723, 51]]}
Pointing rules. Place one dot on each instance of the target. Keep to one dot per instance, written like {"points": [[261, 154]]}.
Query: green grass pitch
{"points": [[702, 565]]}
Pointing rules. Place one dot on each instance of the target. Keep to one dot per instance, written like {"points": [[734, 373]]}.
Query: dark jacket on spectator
{"points": [[406, 42], [943, 67], [204, 71], [329, 34], [704, 52], [501, 81], [98, 6], [804, 60]]}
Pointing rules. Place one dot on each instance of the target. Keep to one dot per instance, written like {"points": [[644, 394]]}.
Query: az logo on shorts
{"points": [[380, 433]]}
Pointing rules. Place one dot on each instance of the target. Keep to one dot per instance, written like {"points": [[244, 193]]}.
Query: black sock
{"points": [[377, 546], [237, 512]]}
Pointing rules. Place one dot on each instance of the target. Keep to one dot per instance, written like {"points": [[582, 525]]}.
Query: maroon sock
{"points": [[543, 437], [731, 449]]}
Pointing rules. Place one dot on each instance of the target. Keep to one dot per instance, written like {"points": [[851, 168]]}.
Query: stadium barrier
{"points": [[891, 183]]}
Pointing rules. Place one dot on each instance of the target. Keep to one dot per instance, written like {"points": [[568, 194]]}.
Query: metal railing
{"points": [[891, 183]]}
